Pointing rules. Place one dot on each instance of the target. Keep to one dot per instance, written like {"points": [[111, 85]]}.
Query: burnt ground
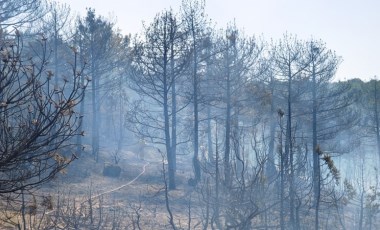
{"points": [[124, 201]]}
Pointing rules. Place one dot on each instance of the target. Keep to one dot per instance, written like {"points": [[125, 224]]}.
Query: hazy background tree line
{"points": [[275, 142]]}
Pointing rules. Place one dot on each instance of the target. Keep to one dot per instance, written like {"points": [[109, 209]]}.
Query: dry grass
{"points": [[142, 201]]}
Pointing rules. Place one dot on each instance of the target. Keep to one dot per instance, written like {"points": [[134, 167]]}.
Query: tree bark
{"points": [[377, 122], [316, 163], [271, 168], [196, 164], [227, 149]]}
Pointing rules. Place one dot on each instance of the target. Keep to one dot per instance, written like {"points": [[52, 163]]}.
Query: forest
{"points": [[182, 126]]}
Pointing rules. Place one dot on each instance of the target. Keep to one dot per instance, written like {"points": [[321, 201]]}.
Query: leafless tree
{"points": [[158, 63], [99, 47], [37, 118], [197, 26], [16, 13], [239, 61], [289, 64]]}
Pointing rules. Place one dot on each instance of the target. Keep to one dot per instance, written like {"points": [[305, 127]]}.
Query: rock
{"points": [[111, 170], [192, 182]]}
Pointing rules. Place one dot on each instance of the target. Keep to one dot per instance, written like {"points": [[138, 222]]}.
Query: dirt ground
{"points": [[137, 197]]}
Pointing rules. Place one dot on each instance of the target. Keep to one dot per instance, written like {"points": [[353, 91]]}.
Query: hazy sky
{"points": [[350, 27]]}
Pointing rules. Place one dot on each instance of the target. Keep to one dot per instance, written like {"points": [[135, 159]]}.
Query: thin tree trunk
{"points": [[167, 204], [81, 112], [217, 181], [282, 178], [174, 102], [80, 129], [316, 163], [94, 93], [169, 152], [361, 214], [228, 126], [196, 164], [209, 128], [377, 122], [209, 136], [289, 153], [121, 118], [170, 157], [271, 168], [23, 209]]}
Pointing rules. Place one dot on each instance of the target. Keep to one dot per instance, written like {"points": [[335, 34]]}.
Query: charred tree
{"points": [[158, 63], [37, 118]]}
